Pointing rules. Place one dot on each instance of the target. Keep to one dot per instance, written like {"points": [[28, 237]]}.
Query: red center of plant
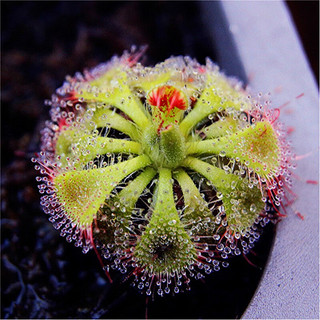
{"points": [[166, 99]]}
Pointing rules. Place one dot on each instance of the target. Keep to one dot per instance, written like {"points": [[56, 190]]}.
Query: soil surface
{"points": [[43, 276]]}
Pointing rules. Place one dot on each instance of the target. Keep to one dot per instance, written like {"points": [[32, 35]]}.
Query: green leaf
{"points": [[81, 193]]}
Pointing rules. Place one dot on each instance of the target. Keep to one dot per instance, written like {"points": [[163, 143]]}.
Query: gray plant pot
{"points": [[273, 59]]}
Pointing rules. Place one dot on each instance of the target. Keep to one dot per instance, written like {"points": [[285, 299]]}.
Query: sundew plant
{"points": [[166, 172]]}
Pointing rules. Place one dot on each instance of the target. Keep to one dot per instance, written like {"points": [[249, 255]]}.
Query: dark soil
{"points": [[42, 275]]}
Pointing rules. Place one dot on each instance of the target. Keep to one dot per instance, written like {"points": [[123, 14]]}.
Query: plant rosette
{"points": [[165, 171]]}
